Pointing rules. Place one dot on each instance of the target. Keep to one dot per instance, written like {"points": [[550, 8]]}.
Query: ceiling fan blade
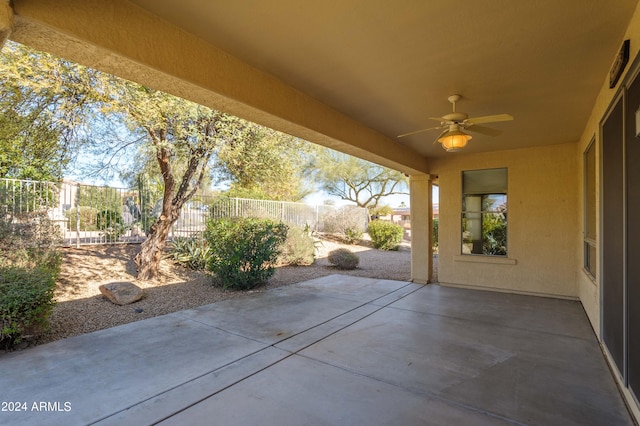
{"points": [[440, 119], [484, 130], [440, 135], [489, 119], [419, 131]]}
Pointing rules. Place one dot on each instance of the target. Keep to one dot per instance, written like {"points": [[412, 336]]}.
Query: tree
{"points": [[263, 164], [354, 179], [381, 210], [59, 99], [182, 136], [45, 103]]}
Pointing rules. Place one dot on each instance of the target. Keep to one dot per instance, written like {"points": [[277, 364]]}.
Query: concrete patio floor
{"points": [[337, 350]]}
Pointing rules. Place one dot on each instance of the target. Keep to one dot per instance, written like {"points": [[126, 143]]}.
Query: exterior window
{"points": [[484, 212], [590, 251]]}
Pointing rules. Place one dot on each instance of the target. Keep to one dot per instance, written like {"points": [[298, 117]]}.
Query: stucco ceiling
{"points": [[392, 64]]}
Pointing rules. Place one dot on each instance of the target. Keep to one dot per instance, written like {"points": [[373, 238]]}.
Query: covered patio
{"points": [[334, 350], [353, 76]]}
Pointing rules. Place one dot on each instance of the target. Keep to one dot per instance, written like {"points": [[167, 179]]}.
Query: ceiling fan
{"points": [[453, 138]]}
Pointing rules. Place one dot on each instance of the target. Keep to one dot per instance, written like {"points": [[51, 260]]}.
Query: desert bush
{"points": [[343, 258], [353, 235], [385, 235], [84, 216], [30, 242], [299, 248], [345, 219], [191, 252], [244, 250], [436, 222], [29, 265], [26, 300], [111, 224]]}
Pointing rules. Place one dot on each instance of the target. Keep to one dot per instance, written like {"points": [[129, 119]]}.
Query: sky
{"points": [[319, 197], [394, 200]]}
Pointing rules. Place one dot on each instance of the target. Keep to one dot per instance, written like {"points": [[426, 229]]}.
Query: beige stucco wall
{"points": [[421, 213], [588, 289], [543, 231]]}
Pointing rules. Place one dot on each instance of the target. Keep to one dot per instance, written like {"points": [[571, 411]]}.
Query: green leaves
{"points": [[26, 300], [299, 249], [262, 163], [244, 251], [44, 103], [385, 235], [29, 265], [356, 180], [192, 252]]}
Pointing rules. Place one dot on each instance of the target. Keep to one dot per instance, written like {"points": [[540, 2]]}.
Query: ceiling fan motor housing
{"points": [[456, 117], [454, 98]]}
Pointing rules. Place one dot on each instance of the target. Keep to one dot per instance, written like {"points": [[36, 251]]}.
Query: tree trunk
{"points": [[151, 250]]}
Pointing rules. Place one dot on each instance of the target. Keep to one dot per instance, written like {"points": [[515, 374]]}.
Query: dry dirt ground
{"points": [[81, 308]]}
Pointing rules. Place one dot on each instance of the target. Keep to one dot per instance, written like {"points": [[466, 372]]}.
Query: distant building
{"points": [[402, 217]]}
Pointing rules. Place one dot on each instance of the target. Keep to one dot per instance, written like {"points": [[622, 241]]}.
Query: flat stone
{"points": [[121, 293]]}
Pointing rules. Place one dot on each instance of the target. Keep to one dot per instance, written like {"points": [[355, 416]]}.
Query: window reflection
{"points": [[484, 212]]}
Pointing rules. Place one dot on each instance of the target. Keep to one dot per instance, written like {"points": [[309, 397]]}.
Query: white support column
{"points": [[6, 21], [421, 228]]}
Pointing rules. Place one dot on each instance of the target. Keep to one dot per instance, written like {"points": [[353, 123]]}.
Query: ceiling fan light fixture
{"points": [[454, 140]]}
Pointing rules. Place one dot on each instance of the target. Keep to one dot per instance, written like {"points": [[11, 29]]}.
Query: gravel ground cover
{"points": [[81, 308]]}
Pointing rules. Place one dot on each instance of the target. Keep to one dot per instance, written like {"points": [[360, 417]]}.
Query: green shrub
{"points": [[299, 248], [343, 259], [436, 222], [192, 252], [352, 235], [29, 264], [30, 242], [111, 224], [244, 250], [26, 300], [385, 235], [86, 216]]}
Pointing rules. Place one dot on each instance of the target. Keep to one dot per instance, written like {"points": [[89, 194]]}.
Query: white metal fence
{"points": [[321, 218], [87, 214]]}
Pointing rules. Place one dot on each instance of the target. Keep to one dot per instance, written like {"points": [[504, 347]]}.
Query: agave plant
{"points": [[191, 252]]}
